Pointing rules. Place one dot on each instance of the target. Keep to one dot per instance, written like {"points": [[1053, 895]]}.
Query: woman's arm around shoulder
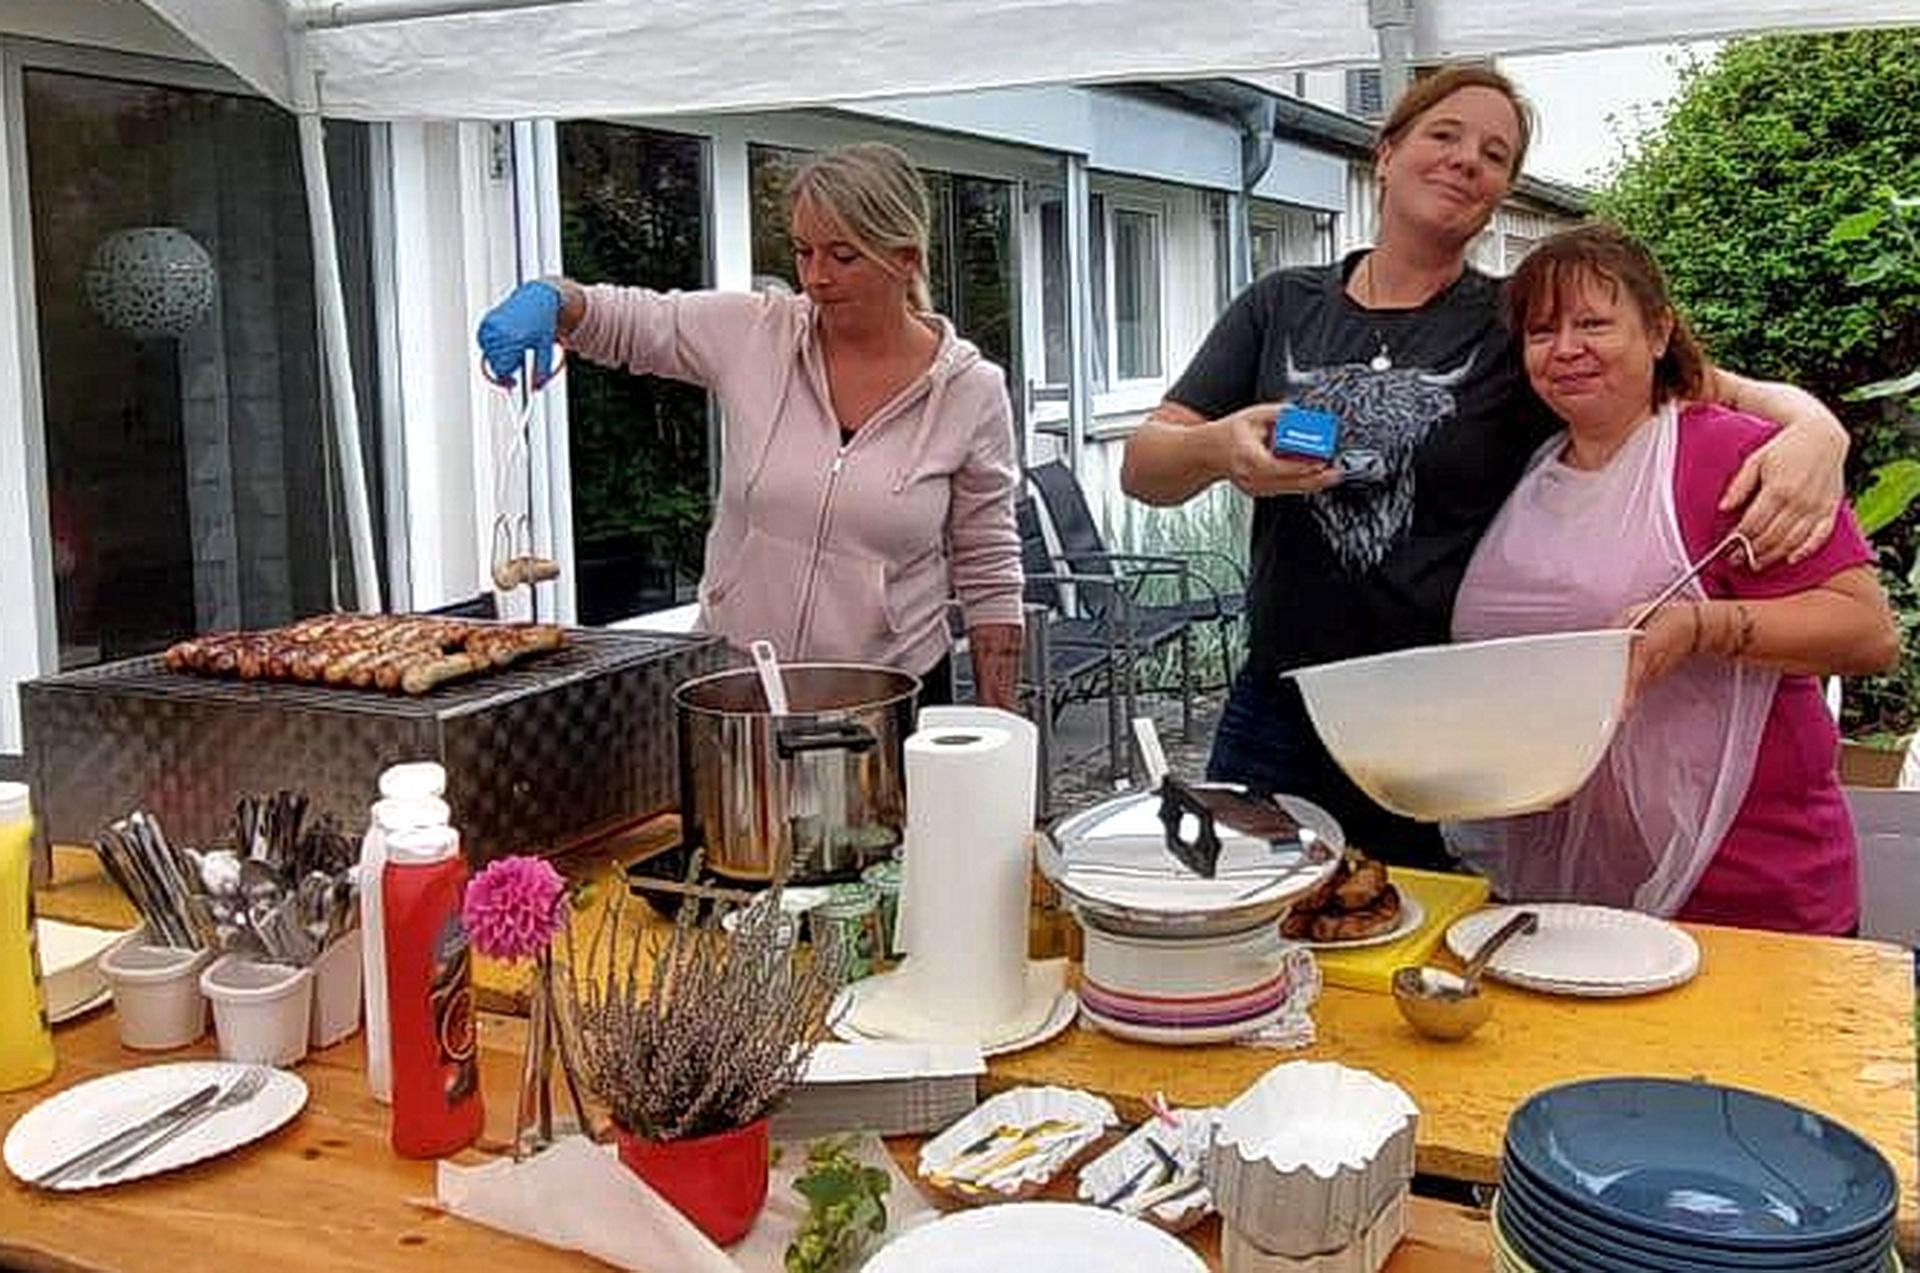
{"points": [[1789, 490], [1824, 614]]}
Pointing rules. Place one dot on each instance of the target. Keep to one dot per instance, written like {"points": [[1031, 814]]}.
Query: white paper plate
{"points": [[1590, 951], [1035, 1237], [1412, 915], [1065, 1009], [68, 1122], [1018, 1107], [1187, 1142]]}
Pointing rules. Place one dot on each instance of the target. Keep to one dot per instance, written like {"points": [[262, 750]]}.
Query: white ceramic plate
{"points": [[1412, 915], [1590, 951], [1178, 1035], [60, 1013], [1035, 1237], [68, 1122], [1065, 1009]]}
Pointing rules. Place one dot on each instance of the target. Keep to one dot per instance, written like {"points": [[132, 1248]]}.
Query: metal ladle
{"points": [[1443, 1005], [1734, 539]]}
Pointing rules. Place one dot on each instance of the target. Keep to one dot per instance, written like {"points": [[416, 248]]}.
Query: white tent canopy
{"points": [[510, 59], [557, 59]]}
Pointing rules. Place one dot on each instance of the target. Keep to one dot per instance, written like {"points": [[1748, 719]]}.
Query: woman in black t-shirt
{"points": [[1405, 345]]}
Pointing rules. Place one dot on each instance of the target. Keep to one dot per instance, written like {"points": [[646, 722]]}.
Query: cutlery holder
{"points": [[261, 1012], [336, 991], [157, 1002]]}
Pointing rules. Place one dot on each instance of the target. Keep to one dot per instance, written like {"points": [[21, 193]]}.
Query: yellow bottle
{"points": [[26, 1044]]}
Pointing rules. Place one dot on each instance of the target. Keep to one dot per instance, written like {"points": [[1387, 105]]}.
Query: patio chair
{"points": [[1066, 660], [1083, 550]]}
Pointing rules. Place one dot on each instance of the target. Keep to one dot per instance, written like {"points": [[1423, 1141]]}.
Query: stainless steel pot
{"points": [[1118, 869], [822, 788]]}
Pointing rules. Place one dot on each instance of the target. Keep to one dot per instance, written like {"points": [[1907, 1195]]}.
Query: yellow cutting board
{"points": [[1445, 899]]}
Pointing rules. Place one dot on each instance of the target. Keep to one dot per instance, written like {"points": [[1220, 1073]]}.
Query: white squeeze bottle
{"points": [[410, 797]]}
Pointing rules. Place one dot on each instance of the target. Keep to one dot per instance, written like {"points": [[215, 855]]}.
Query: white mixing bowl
{"points": [[1481, 729]]}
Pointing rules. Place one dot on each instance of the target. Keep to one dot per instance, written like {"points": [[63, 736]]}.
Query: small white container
{"points": [[156, 994], [261, 1011], [336, 991]]}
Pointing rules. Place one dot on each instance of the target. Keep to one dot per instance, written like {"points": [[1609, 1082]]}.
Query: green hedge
{"points": [[1767, 150]]}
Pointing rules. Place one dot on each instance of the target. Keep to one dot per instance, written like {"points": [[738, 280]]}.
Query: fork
{"points": [[251, 1082]]}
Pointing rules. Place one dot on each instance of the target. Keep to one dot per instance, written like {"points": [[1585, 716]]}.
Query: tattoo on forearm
{"points": [[995, 650]]}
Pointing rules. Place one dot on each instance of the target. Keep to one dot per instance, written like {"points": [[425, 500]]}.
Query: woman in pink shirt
{"points": [[1718, 800], [868, 469]]}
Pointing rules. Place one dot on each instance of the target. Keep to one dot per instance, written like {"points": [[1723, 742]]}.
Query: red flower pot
{"points": [[719, 1182]]}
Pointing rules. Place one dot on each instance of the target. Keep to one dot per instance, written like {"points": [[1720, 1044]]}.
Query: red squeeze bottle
{"points": [[436, 1068]]}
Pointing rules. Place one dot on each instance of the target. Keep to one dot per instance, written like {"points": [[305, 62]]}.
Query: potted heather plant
{"points": [[691, 1036]]}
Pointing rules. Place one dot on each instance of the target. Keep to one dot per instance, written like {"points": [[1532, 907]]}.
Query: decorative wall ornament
{"points": [[151, 280]]}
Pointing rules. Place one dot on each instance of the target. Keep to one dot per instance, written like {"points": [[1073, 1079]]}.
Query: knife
{"points": [[120, 1140]]}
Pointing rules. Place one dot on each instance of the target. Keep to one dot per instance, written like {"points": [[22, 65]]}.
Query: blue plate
{"points": [[1700, 1163], [1578, 1238]]}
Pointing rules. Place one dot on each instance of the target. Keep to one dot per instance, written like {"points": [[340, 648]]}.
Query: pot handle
{"points": [[1201, 855], [827, 735]]}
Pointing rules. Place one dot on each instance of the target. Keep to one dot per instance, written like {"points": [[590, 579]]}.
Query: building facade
{"points": [[166, 463]]}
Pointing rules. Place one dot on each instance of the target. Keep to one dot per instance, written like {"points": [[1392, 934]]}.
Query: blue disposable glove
{"points": [[527, 321]]}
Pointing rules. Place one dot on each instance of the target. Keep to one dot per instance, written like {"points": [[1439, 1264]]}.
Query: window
{"points": [[1125, 250], [971, 258], [1282, 235], [633, 210], [1365, 96], [1134, 274], [191, 482]]}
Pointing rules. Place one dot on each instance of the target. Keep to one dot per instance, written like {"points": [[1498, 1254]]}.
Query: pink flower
{"points": [[514, 907]]}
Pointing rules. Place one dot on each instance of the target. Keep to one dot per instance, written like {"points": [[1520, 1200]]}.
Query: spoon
{"points": [[1443, 1005], [772, 684]]}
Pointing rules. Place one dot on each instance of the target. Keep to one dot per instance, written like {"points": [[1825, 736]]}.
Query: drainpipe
{"points": [[1392, 23], [1256, 112]]}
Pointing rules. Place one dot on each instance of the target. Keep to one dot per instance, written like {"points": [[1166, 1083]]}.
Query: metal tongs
{"points": [[515, 563]]}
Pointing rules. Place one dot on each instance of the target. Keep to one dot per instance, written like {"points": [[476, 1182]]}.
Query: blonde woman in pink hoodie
{"points": [[869, 467]]}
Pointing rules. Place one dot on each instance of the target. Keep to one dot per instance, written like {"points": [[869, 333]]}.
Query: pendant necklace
{"points": [[1381, 361]]}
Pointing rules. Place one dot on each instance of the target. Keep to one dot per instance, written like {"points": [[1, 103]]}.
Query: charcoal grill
{"points": [[540, 756]]}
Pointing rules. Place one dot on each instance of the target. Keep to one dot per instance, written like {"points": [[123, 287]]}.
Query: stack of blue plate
{"points": [[1630, 1175]]}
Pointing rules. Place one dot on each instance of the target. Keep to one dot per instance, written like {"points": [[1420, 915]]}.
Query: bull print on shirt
{"points": [[1389, 414]]}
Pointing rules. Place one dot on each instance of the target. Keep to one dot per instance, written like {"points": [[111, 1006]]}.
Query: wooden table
{"points": [[326, 1193], [1823, 1022]]}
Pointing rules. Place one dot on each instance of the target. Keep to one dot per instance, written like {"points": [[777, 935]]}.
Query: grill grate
{"points": [[588, 653]]}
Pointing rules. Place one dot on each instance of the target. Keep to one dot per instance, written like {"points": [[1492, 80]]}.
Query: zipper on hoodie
{"points": [[820, 544], [936, 371]]}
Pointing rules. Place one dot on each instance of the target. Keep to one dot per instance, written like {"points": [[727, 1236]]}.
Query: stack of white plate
{"points": [[70, 966], [1186, 989], [1589, 951]]}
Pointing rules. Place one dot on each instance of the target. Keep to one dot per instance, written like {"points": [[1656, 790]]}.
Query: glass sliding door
{"points": [[190, 473], [633, 211]]}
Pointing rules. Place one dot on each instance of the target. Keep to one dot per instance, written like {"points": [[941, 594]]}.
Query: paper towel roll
{"points": [[966, 875]]}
